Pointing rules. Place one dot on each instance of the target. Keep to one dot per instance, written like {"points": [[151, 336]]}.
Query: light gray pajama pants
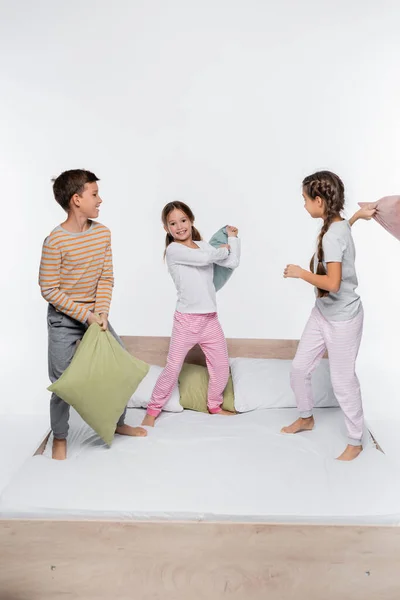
{"points": [[64, 332], [342, 340]]}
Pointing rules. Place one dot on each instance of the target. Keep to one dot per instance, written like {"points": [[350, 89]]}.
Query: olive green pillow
{"points": [[193, 389], [100, 380]]}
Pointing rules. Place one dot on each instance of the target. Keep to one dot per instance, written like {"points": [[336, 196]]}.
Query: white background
{"points": [[224, 104]]}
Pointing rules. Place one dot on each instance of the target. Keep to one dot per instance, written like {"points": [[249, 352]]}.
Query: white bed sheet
{"points": [[196, 466], [16, 449]]}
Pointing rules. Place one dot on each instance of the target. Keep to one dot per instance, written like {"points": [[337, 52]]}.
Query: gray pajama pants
{"points": [[64, 332]]}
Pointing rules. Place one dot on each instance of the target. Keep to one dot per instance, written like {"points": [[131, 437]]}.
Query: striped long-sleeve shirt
{"points": [[76, 271]]}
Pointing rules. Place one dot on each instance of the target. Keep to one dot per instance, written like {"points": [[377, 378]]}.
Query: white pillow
{"points": [[265, 383], [141, 397]]}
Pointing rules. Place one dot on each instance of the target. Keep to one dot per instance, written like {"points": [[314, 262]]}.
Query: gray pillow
{"points": [[221, 274]]}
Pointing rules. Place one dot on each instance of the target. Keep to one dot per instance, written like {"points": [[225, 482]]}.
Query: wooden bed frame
{"points": [[116, 560]]}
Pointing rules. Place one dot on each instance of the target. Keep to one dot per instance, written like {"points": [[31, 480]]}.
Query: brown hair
{"points": [[167, 210], [70, 183], [329, 187]]}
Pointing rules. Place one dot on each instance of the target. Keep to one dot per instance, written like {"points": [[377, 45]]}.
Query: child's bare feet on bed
{"points": [[133, 431], [59, 451], [149, 421], [350, 453], [299, 425], [226, 413]]}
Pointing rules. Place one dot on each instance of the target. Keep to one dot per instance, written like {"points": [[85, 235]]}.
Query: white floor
{"points": [[209, 467]]}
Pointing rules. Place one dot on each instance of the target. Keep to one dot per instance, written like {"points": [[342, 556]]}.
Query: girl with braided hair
{"points": [[336, 321]]}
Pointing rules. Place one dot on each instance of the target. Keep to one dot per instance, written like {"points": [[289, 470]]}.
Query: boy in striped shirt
{"points": [[76, 278]]}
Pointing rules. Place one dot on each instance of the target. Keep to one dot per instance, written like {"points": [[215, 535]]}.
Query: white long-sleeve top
{"points": [[192, 271]]}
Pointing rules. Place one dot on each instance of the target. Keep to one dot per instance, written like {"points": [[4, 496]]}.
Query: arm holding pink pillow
{"points": [[387, 213]]}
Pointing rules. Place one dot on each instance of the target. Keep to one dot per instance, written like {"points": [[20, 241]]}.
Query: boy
{"points": [[76, 278]]}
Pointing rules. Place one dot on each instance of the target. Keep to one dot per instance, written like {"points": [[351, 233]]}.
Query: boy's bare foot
{"points": [[59, 451], [350, 453], [149, 421], [133, 431], [226, 413], [299, 425]]}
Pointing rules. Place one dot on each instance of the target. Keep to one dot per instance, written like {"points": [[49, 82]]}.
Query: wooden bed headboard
{"points": [[154, 350]]}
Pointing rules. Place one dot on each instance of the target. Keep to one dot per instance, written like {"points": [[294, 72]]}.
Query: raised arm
{"points": [[364, 213], [233, 260], [182, 255]]}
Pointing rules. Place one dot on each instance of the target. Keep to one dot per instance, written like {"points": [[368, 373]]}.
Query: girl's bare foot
{"points": [[59, 451], [350, 453], [299, 425], [226, 413], [133, 431], [149, 421]]}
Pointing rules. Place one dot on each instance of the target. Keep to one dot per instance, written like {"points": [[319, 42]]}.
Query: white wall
{"points": [[225, 104]]}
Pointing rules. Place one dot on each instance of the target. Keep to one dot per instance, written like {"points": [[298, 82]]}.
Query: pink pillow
{"points": [[387, 213]]}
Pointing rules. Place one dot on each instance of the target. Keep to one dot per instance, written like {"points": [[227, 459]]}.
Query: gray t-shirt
{"points": [[338, 246]]}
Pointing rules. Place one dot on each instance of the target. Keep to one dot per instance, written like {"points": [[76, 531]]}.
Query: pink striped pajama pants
{"points": [[342, 340], [189, 330]]}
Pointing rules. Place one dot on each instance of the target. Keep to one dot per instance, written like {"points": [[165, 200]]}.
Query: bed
{"points": [[258, 514]]}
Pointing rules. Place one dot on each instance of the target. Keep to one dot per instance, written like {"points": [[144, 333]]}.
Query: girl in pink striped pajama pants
{"points": [[191, 265], [189, 330], [336, 322]]}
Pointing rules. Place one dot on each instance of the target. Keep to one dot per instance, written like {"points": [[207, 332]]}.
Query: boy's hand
{"points": [[104, 321], [93, 318], [293, 271], [232, 231]]}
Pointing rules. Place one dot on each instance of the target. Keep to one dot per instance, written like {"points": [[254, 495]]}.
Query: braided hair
{"points": [[329, 187]]}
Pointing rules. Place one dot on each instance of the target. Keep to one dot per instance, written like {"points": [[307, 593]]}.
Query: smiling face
{"points": [[179, 226], [88, 202]]}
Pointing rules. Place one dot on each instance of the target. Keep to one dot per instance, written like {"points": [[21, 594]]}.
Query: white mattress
{"points": [[195, 466], [15, 450]]}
